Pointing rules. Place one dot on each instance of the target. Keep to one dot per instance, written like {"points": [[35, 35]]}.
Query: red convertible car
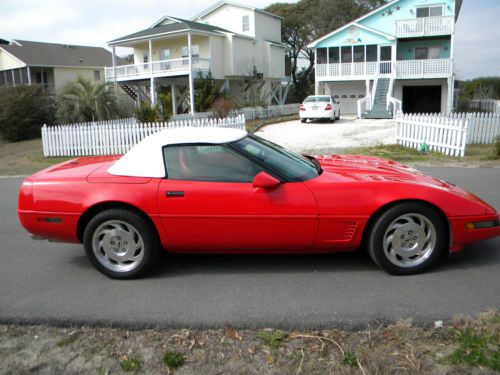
{"points": [[215, 190]]}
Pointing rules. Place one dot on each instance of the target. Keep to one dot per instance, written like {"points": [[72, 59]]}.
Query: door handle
{"points": [[173, 194]]}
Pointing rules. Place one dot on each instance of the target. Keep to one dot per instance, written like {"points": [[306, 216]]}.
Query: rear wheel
{"points": [[408, 238], [303, 120], [120, 243]]}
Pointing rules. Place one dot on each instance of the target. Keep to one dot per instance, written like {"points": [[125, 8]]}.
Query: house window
{"points": [[431, 11], [385, 53], [165, 54], [359, 54], [97, 75], [333, 55], [195, 54], [245, 23], [424, 53], [346, 54], [321, 55], [371, 52], [41, 78], [145, 57]]}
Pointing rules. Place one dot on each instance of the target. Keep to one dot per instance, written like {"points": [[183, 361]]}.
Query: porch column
{"points": [[28, 70], [191, 83], [13, 78], [152, 91], [316, 85], [43, 82], [174, 99], [113, 54]]}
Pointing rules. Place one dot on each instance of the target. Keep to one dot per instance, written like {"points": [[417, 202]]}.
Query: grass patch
{"points": [[349, 359], [272, 339], [480, 154], [25, 157], [173, 360], [254, 125], [66, 341], [130, 364], [476, 350]]}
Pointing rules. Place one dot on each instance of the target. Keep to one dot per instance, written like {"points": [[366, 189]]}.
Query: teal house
{"points": [[399, 57]]}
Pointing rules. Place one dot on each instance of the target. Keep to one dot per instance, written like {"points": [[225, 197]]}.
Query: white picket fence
{"points": [[487, 105], [250, 113], [115, 137], [448, 134]]}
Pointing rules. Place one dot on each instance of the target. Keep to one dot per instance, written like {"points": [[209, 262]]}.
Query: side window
{"points": [[245, 21], [213, 163]]}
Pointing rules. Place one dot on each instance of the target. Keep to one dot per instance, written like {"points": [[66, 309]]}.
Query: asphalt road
{"points": [[54, 283]]}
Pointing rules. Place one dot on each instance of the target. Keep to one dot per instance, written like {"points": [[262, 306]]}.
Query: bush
{"points": [[222, 107], [147, 113], [497, 147], [23, 111]]}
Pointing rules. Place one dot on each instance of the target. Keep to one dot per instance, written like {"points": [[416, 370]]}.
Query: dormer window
{"points": [[245, 23], [430, 11]]}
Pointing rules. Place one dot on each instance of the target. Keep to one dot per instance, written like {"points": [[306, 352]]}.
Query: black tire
{"points": [[129, 225], [420, 229], [303, 120], [332, 120], [338, 117]]}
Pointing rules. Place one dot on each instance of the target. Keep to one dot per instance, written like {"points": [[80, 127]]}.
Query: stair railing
{"points": [[391, 101]]}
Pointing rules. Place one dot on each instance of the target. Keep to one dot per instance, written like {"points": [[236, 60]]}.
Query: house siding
{"points": [[9, 62], [63, 76]]}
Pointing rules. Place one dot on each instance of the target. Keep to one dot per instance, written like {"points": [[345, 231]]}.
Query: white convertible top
{"points": [[146, 158]]}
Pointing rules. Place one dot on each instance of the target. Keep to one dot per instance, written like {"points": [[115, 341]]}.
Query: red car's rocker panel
{"points": [[265, 200]]}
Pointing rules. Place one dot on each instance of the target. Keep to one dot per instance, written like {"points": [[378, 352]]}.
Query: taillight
{"points": [[302, 108], [328, 107]]}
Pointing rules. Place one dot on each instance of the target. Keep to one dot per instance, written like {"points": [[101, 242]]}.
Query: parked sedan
{"points": [[215, 190], [319, 107]]}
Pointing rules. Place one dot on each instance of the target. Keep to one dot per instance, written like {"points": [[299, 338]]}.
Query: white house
{"points": [[240, 45], [400, 56]]}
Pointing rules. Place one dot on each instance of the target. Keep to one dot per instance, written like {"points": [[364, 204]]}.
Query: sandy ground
{"points": [[344, 133]]}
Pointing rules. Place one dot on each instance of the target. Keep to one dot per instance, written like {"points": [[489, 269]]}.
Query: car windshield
{"points": [[292, 166], [317, 99]]}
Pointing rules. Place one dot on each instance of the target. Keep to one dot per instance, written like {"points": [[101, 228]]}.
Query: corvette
{"points": [[219, 190]]}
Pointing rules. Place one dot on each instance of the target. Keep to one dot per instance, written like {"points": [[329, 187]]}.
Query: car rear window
{"points": [[317, 99]]}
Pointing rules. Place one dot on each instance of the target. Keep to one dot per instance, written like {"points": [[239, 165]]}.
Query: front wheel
{"points": [[120, 243], [303, 120], [338, 116], [407, 238]]}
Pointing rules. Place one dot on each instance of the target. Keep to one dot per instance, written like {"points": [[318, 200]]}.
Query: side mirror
{"points": [[265, 181]]}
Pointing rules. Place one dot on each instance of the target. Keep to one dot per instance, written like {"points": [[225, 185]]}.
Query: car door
{"points": [[208, 203]]}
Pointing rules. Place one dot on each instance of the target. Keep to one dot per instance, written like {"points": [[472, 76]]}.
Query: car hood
{"points": [[368, 168], [372, 169]]}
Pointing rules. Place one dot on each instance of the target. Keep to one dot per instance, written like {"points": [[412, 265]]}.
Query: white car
{"points": [[316, 107]]}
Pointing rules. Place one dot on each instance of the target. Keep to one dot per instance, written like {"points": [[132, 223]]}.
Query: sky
{"points": [[94, 22]]}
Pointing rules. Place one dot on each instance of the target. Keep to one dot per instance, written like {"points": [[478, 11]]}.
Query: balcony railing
{"points": [[426, 26], [435, 68], [157, 68]]}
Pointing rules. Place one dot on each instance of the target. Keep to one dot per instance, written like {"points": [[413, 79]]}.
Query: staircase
{"points": [[379, 109], [134, 94]]}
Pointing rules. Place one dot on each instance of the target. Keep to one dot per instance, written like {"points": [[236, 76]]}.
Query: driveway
{"points": [[346, 132], [55, 283]]}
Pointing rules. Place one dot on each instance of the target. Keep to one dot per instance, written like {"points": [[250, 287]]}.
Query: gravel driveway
{"points": [[344, 133]]}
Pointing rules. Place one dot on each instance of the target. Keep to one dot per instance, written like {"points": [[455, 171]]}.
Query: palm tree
{"points": [[85, 100]]}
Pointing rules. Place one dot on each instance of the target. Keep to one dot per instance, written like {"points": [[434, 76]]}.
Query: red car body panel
{"points": [[326, 214]]}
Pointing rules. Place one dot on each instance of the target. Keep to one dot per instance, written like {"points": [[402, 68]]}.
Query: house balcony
{"points": [[401, 69], [156, 69], [426, 26]]}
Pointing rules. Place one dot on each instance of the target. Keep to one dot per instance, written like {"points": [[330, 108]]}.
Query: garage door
{"points": [[348, 96]]}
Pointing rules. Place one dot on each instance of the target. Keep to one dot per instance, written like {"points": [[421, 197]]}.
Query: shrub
{"points": [[147, 113], [206, 92], [222, 107], [173, 360], [85, 100], [23, 111]]}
